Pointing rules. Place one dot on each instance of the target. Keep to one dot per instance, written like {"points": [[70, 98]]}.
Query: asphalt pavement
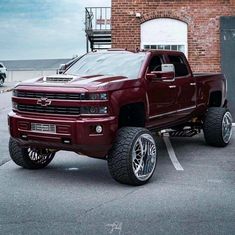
{"points": [[76, 194]]}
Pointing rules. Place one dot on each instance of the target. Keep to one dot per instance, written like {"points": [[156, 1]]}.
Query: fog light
{"points": [[98, 129]]}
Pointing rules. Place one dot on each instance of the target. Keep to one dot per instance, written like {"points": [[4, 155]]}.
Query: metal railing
{"points": [[97, 18]]}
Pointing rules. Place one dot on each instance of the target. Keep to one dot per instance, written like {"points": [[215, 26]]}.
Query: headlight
{"points": [[93, 110], [94, 96]]}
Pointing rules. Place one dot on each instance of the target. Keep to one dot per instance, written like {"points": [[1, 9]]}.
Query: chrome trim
{"points": [[163, 114], [173, 86], [185, 109], [44, 102], [43, 128], [168, 80], [144, 157], [227, 127], [193, 84], [172, 112]]}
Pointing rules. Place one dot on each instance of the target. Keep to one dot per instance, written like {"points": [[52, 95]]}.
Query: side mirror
{"points": [[160, 75], [61, 69]]}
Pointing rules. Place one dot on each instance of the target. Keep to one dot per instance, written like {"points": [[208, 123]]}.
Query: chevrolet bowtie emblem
{"points": [[44, 102]]}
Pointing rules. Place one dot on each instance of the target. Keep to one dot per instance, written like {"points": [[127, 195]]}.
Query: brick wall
{"points": [[202, 17]]}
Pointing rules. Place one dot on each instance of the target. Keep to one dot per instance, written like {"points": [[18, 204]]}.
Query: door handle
{"points": [[168, 80], [193, 84], [172, 87]]}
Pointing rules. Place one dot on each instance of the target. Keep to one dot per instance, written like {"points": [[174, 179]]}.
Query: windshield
{"points": [[114, 64]]}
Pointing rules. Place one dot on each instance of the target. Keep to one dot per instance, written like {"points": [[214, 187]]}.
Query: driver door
{"points": [[162, 95]]}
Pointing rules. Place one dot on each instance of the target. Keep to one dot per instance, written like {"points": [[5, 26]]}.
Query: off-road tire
{"points": [[21, 157], [213, 126], [120, 156]]}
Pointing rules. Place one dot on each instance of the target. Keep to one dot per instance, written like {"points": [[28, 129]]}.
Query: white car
{"points": [[3, 73]]}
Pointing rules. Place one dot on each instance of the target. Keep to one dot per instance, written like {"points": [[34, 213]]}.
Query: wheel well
{"points": [[215, 99], [132, 115]]}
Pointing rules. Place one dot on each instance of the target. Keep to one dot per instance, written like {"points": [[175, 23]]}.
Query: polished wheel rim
{"points": [[227, 126], [144, 156], [39, 156]]}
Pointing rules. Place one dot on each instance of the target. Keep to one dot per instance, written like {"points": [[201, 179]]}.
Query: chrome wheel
{"points": [[227, 125], [144, 157], [39, 156]]}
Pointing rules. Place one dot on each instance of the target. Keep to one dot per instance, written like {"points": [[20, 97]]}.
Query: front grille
{"points": [[58, 96], [49, 109]]}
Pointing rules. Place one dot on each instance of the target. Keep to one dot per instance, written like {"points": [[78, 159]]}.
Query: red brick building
{"points": [[197, 22]]}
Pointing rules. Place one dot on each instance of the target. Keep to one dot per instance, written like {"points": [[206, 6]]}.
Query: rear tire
{"points": [[29, 158], [133, 156], [217, 126]]}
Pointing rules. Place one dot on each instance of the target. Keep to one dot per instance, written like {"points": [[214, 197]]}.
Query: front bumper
{"points": [[78, 132]]}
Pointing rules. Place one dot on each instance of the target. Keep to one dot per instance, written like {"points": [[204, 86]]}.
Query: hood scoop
{"points": [[58, 79]]}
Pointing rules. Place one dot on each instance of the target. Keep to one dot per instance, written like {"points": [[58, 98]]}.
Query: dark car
{"points": [[3, 74]]}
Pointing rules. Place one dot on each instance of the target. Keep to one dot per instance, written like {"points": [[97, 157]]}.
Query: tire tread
{"points": [[119, 162], [20, 157], [212, 126]]}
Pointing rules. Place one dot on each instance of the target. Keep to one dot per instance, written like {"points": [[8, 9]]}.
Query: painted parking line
{"points": [[172, 155], [233, 124]]}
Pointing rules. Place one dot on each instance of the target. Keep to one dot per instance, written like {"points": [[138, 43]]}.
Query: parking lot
{"points": [[76, 194]]}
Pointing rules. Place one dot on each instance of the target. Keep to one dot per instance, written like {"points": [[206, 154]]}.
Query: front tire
{"points": [[133, 157], [29, 158], [217, 126]]}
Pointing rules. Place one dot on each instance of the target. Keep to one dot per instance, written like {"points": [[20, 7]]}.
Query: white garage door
{"points": [[165, 34]]}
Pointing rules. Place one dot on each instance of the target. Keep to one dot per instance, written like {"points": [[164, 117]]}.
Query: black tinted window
{"points": [[180, 67], [1, 66], [155, 64]]}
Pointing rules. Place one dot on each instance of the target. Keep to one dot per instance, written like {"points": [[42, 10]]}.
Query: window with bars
{"points": [[166, 47]]}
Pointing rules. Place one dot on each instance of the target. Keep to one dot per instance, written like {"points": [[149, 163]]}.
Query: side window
{"points": [[1, 66], [181, 69], [155, 64]]}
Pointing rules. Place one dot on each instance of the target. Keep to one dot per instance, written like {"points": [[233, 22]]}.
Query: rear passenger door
{"points": [[185, 83]]}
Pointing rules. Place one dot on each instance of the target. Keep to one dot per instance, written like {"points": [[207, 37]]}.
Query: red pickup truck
{"points": [[107, 105]]}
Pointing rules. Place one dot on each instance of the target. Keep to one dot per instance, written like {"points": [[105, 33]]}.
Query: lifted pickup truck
{"points": [[108, 104]]}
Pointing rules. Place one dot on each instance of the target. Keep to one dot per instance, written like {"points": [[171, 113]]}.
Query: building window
{"points": [[164, 34], [166, 47]]}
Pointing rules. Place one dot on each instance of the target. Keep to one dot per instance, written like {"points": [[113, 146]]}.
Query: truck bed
{"points": [[207, 74]]}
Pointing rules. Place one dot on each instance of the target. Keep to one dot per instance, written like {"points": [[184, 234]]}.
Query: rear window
{"points": [[181, 69]]}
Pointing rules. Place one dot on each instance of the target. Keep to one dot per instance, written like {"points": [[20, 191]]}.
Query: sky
{"points": [[43, 29]]}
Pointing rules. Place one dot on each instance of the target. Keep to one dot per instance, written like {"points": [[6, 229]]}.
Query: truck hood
{"points": [[97, 82]]}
